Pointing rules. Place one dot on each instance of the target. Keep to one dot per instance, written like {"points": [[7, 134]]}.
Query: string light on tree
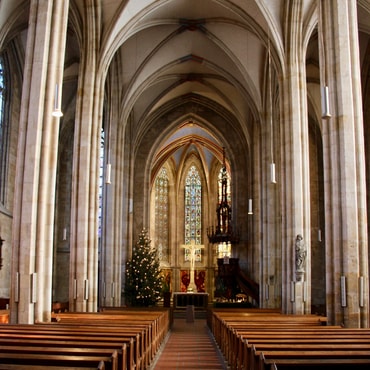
{"points": [[143, 274]]}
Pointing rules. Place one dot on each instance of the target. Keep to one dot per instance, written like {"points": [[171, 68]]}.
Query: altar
{"points": [[182, 299]]}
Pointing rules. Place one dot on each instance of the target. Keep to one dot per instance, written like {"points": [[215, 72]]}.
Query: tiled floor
{"points": [[189, 346]]}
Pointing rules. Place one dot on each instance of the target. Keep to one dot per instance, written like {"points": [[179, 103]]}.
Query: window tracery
{"points": [[4, 130], [161, 215], [193, 210]]}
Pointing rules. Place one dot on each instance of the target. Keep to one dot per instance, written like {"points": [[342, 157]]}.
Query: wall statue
{"points": [[300, 254]]}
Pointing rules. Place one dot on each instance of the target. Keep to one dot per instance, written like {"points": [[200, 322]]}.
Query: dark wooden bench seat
{"points": [[240, 348], [315, 363], [134, 335], [148, 338], [275, 341], [156, 323], [128, 345], [22, 344], [60, 360], [327, 350], [224, 324], [133, 338], [100, 366], [336, 358], [230, 337], [282, 336]]}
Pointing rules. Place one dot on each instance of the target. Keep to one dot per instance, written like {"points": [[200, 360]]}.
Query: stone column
{"points": [[344, 166], [37, 163], [85, 181], [294, 161], [111, 260]]}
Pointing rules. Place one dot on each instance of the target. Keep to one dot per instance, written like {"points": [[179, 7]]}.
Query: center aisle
{"points": [[189, 346]]}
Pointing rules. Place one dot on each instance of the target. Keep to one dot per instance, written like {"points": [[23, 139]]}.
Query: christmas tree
{"points": [[143, 274]]}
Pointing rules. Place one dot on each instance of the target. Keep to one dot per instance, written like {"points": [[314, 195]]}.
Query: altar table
{"points": [[183, 299]]}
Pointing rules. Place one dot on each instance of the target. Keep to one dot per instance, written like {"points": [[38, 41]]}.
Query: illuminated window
{"points": [[193, 210], [4, 130], [161, 215], [101, 171]]}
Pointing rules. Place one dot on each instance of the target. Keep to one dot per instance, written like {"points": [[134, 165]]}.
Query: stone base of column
{"points": [[298, 304]]}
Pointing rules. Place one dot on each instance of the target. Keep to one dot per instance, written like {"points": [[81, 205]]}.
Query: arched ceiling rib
{"points": [[211, 48]]}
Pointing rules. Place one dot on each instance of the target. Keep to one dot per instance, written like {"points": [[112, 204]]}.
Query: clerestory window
{"points": [[4, 130]]}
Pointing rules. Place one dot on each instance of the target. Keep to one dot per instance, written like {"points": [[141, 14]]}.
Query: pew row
{"points": [[20, 358], [134, 337], [308, 359], [270, 340], [155, 324]]}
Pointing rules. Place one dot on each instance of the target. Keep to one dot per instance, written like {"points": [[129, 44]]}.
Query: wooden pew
{"points": [[150, 326], [315, 363], [223, 322], [65, 360], [305, 351], [287, 336], [100, 366], [127, 345], [338, 359], [226, 324], [245, 338], [140, 331], [157, 322]]}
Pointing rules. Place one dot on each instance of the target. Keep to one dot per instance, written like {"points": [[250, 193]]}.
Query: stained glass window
{"points": [[193, 210], [4, 131], [2, 90], [101, 171], [161, 215]]}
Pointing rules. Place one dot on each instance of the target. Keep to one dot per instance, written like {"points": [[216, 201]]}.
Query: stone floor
{"points": [[189, 345]]}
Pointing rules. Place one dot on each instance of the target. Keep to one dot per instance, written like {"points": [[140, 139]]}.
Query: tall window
{"points": [[4, 130], [193, 207], [101, 173], [161, 215]]}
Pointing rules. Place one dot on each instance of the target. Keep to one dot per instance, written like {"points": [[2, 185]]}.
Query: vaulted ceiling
{"points": [[210, 53]]}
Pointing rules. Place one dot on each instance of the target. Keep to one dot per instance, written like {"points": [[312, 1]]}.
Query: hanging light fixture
{"points": [[223, 232], [250, 206], [108, 172], [57, 112], [273, 173], [325, 102], [64, 233]]}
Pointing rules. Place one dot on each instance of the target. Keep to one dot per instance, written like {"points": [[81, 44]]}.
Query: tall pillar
{"points": [[85, 181], [344, 166], [295, 165], [33, 228], [111, 237]]}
